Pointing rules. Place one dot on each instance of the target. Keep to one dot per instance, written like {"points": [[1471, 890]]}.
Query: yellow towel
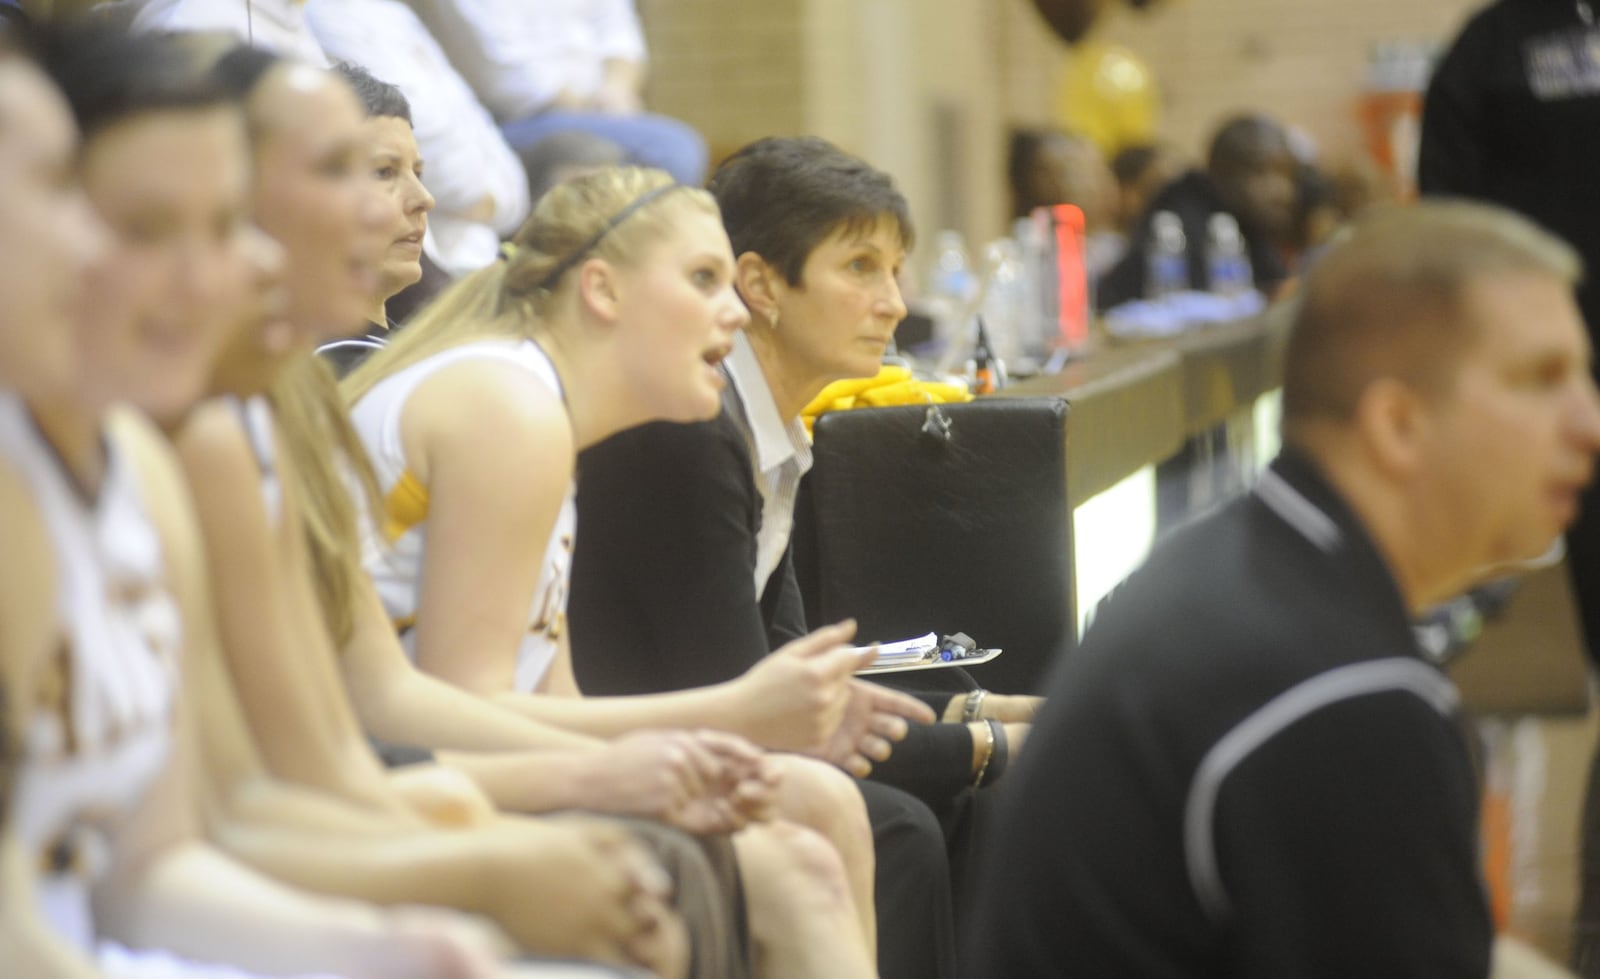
{"points": [[890, 386]]}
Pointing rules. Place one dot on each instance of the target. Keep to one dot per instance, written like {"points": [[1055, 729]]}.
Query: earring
{"points": [[772, 319]]}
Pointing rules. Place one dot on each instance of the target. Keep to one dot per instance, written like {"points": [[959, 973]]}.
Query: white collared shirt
{"points": [[519, 56], [780, 456], [278, 26]]}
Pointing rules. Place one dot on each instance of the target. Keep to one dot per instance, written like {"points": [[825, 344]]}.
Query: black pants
{"points": [[916, 921]]}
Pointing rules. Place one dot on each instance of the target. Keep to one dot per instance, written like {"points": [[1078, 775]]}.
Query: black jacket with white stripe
{"points": [[1246, 770]]}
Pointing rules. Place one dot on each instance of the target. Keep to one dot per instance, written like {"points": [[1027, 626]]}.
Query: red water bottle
{"points": [[1071, 277]]}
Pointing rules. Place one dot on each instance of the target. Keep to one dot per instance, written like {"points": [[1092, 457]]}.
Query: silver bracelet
{"points": [[972, 710]]}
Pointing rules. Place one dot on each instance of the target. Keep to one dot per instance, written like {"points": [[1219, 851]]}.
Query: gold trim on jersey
{"points": [[404, 507]]}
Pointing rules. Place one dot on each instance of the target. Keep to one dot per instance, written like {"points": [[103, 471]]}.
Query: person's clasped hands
{"points": [[699, 781]]}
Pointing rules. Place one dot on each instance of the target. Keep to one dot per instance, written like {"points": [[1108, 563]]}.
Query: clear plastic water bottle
{"points": [[1167, 271], [952, 287], [1005, 298], [1038, 329], [1227, 260]]}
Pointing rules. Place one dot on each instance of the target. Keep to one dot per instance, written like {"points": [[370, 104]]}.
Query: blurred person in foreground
{"points": [[1248, 769]]}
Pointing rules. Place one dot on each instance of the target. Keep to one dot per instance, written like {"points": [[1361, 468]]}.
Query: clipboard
{"points": [[922, 653]]}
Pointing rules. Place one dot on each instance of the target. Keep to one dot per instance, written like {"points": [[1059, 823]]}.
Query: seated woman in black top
{"points": [[682, 576]]}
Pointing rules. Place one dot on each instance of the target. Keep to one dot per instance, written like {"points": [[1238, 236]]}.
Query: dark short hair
{"points": [[1246, 142], [1388, 300], [1025, 145], [378, 97], [781, 197], [109, 75], [242, 68], [1131, 162]]}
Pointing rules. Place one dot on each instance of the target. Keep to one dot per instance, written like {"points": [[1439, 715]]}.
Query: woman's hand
{"points": [[589, 891], [805, 698], [796, 697], [874, 719], [698, 781]]}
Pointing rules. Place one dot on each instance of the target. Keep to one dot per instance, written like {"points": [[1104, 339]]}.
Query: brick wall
{"points": [[927, 88], [912, 85], [732, 69]]}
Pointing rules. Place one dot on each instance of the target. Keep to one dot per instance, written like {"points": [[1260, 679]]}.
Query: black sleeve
{"points": [[783, 609], [1452, 151], [1347, 846], [662, 591], [933, 763]]}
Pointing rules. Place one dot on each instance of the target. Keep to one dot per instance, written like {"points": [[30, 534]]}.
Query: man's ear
{"points": [[1394, 423], [760, 285], [599, 288]]}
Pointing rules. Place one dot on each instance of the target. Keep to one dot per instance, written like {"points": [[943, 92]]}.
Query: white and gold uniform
{"points": [[100, 727], [395, 563]]}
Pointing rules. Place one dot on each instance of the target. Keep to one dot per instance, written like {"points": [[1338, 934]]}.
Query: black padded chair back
{"points": [[910, 531]]}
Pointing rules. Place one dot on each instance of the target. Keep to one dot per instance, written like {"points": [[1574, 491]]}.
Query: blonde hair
{"points": [[328, 466], [611, 214]]}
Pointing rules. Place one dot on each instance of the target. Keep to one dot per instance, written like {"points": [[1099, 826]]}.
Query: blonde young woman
{"points": [[105, 802]]}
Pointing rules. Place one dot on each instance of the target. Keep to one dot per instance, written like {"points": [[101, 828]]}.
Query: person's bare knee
{"points": [[788, 863], [800, 904], [819, 796]]}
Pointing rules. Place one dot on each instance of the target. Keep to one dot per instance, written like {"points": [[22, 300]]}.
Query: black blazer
{"points": [[663, 596]]}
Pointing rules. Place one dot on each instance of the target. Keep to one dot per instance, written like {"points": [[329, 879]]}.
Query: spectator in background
{"points": [[476, 179], [1249, 174], [1512, 116], [277, 25], [1049, 166], [555, 67], [563, 156]]}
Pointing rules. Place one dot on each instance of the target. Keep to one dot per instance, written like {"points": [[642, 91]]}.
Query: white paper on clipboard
{"points": [[919, 653]]}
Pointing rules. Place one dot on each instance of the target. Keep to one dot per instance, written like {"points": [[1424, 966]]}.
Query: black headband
{"points": [[561, 268]]}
